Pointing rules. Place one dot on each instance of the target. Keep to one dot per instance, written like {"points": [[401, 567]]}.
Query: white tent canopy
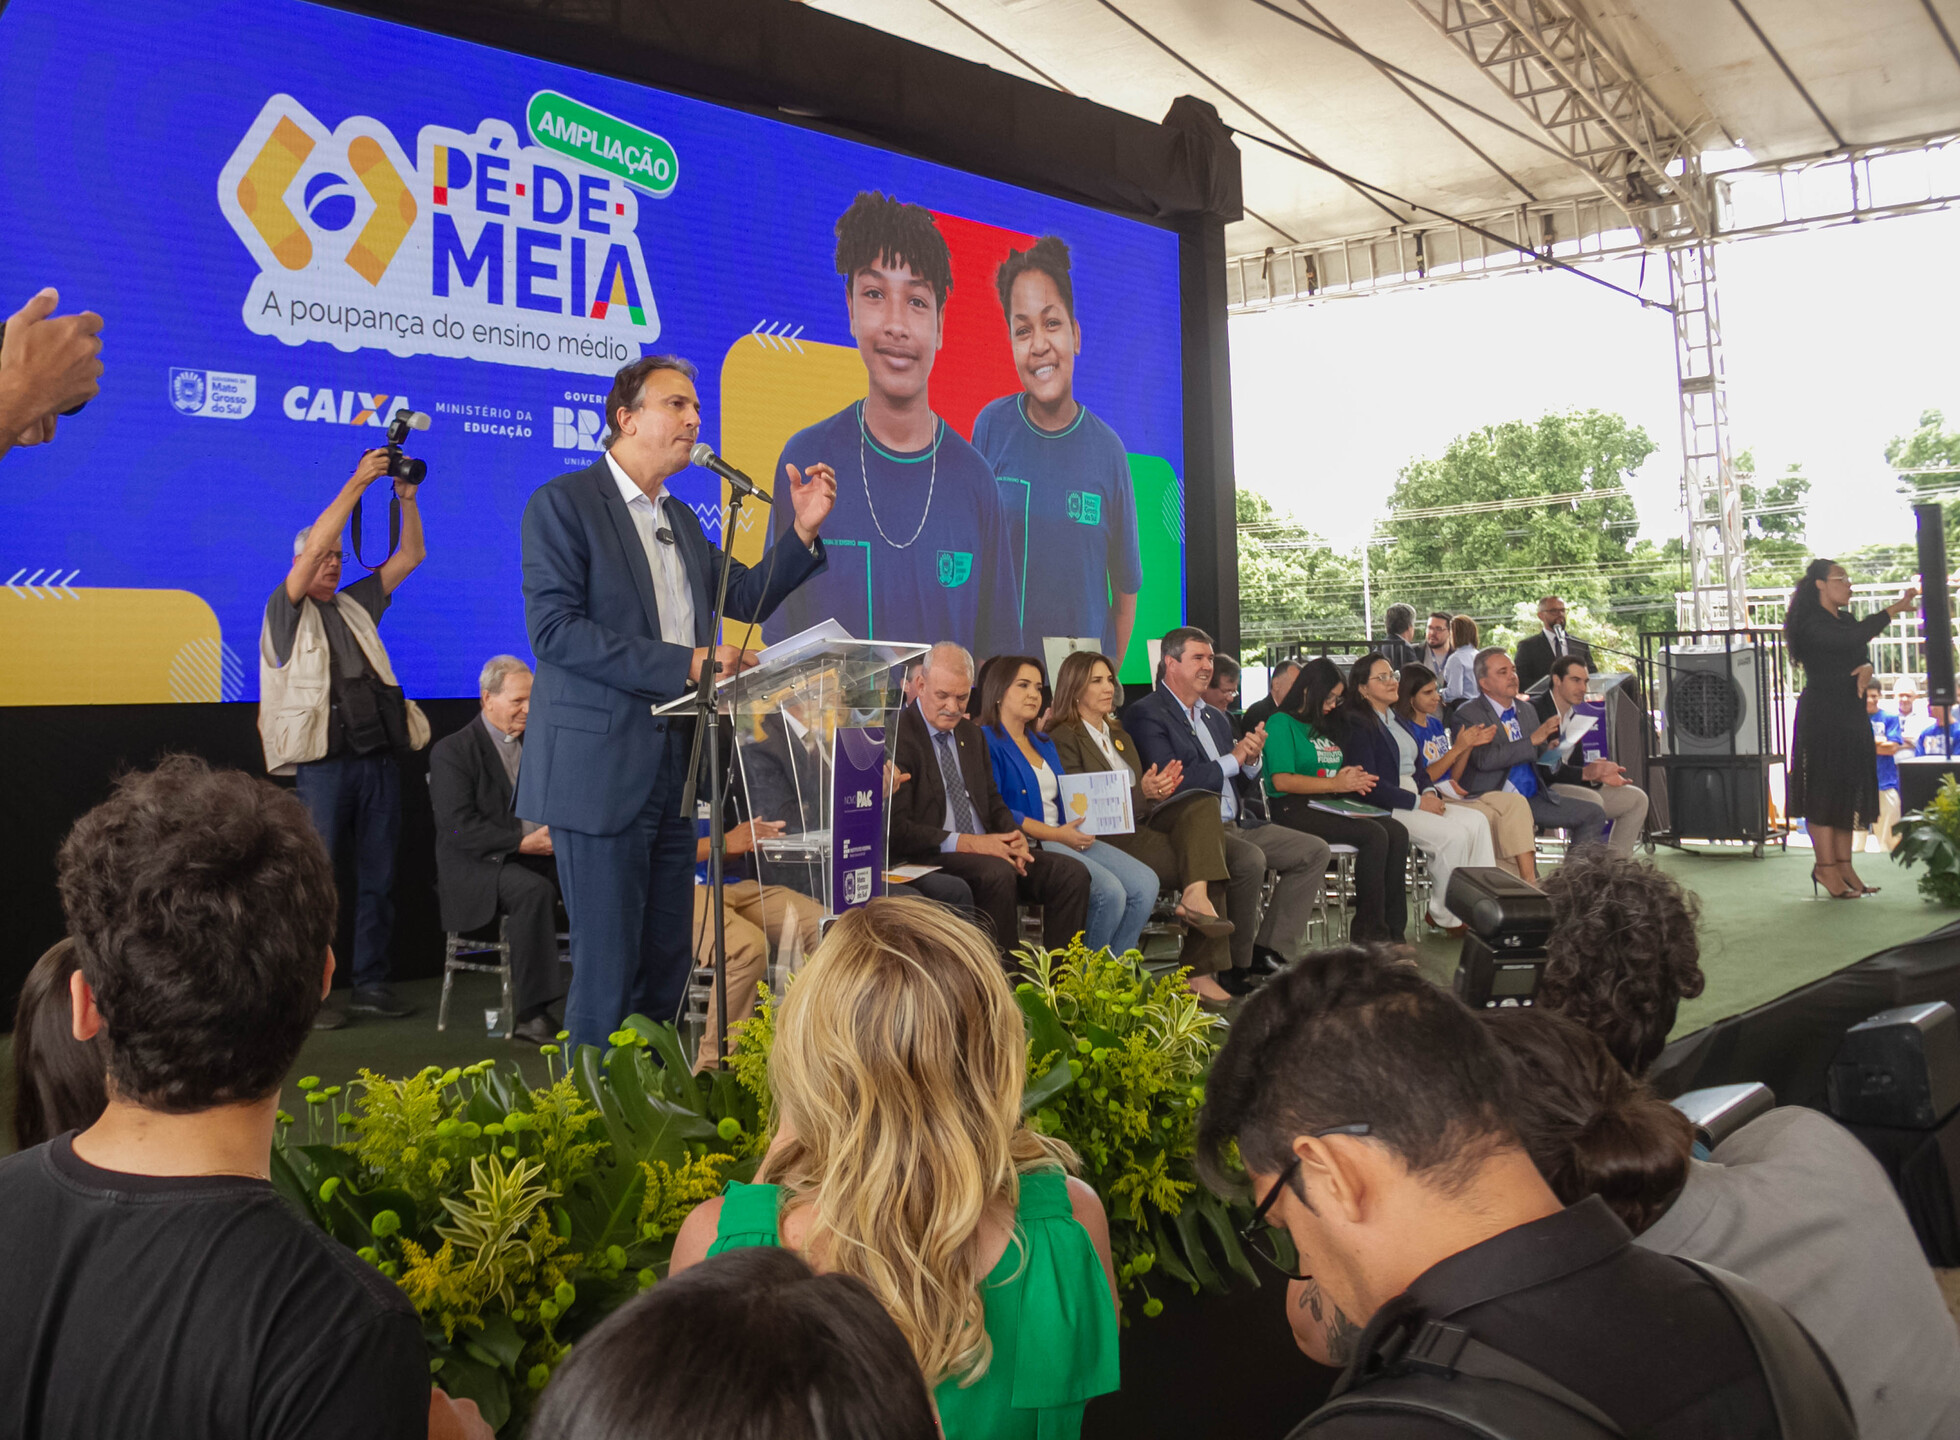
{"points": [[1652, 80]]}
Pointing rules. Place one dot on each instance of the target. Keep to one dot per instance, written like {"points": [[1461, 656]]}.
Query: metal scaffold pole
{"points": [[1710, 493]]}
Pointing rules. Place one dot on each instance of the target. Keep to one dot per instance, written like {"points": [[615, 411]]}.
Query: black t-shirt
{"points": [[135, 1306], [1639, 1335], [349, 661]]}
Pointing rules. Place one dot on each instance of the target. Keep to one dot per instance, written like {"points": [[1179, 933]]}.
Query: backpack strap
{"points": [[1509, 1399], [1809, 1400]]}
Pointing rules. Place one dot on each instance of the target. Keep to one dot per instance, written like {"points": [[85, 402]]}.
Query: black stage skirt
{"points": [[1833, 764]]}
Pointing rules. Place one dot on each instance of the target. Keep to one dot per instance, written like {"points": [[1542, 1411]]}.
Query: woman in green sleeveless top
{"points": [[900, 1158]]}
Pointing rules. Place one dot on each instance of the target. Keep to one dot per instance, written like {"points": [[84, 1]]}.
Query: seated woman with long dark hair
{"points": [[1027, 772], [1448, 835], [900, 1157], [1431, 758], [1183, 843], [1304, 762]]}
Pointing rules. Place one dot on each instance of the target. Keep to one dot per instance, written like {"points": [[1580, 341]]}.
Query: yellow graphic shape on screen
{"points": [[261, 194], [394, 210], [772, 386], [108, 647]]}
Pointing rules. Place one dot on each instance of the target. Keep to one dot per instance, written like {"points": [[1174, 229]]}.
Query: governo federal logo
{"points": [[484, 247]]}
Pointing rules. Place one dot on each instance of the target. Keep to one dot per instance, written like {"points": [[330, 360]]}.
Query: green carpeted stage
{"points": [[1762, 936]]}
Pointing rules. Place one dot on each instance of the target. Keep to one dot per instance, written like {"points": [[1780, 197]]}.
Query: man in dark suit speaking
{"points": [[488, 862], [1537, 652], [618, 590]]}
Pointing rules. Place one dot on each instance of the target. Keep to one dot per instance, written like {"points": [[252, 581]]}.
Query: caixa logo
{"points": [[480, 247], [343, 407]]}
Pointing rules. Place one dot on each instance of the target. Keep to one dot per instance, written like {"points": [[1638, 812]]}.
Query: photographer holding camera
{"points": [[332, 716]]}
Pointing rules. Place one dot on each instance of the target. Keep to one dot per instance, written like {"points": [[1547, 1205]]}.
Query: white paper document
{"points": [[1575, 729], [1100, 800]]}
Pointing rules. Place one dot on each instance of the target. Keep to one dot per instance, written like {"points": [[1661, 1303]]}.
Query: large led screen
{"points": [[296, 221]]}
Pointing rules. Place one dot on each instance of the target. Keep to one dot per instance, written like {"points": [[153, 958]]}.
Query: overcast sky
{"points": [[1835, 342]]}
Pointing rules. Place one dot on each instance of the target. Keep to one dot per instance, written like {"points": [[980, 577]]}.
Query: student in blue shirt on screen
{"points": [[1060, 466], [916, 542]]}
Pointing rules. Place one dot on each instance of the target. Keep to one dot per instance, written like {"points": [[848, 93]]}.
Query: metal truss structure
{"points": [[1710, 494], [1839, 188], [1872, 182], [1548, 61]]}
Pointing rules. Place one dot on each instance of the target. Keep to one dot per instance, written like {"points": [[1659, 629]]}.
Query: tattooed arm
{"points": [[1321, 1328]]}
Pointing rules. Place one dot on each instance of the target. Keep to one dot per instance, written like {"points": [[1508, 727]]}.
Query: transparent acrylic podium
{"points": [[799, 717]]}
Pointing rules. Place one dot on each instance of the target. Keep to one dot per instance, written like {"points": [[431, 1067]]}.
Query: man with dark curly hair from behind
{"points": [[154, 1282], [1624, 951]]}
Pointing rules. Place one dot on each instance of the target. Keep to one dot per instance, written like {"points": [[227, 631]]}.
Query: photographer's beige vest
{"points": [[294, 704]]}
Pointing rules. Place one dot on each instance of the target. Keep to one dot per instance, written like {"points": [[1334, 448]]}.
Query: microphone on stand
{"points": [[706, 458]]}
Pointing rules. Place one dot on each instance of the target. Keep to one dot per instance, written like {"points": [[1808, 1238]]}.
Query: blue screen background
{"points": [[119, 119]]}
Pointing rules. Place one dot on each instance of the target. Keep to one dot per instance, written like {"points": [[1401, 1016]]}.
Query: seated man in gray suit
{"points": [[1510, 759], [490, 863]]}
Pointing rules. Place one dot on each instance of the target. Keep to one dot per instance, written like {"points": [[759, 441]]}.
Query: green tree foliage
{"points": [[1485, 563], [1931, 446], [1774, 516], [1290, 580]]}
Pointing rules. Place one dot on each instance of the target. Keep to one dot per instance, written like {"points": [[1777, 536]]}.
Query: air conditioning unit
{"points": [[1708, 697]]}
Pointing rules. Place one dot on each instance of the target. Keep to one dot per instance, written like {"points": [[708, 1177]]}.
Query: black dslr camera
{"points": [[405, 468], [1506, 923]]}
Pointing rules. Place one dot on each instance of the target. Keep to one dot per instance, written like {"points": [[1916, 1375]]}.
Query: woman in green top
{"points": [[1301, 764], [900, 1157]]}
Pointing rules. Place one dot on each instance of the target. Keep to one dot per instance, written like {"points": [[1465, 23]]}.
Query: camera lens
{"points": [[408, 468]]}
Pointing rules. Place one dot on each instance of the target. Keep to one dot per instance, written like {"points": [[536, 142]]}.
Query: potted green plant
{"points": [[1931, 837], [516, 1217]]}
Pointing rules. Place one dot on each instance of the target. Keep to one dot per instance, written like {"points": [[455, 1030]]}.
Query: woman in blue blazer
{"points": [[1028, 772]]}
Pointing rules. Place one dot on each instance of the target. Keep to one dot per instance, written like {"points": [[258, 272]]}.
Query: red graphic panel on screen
{"points": [[976, 364]]}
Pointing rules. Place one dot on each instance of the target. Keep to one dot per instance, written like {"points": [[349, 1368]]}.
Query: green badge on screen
{"points": [[1084, 507], [603, 141], [955, 568]]}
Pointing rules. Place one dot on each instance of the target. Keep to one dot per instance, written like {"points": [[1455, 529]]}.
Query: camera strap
{"points": [[394, 530]]}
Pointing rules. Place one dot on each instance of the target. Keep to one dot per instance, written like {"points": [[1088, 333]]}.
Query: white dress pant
{"points": [[1459, 836]]}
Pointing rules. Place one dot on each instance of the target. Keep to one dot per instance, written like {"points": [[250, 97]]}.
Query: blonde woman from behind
{"points": [[900, 1157]]}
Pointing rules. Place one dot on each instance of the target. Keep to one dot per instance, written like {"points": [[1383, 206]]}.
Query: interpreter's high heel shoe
{"points": [[1816, 880]]}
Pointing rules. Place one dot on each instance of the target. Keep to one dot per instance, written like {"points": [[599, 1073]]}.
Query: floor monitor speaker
{"points": [[1899, 1068]]}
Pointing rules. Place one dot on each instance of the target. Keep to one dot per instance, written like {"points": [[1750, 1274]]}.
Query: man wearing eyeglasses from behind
{"points": [[332, 715], [1369, 1109]]}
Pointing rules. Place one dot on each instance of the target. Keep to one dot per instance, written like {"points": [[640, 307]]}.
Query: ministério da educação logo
{"points": [[483, 248]]}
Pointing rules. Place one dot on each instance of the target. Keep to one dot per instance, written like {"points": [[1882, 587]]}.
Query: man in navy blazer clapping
{"points": [[618, 593]]}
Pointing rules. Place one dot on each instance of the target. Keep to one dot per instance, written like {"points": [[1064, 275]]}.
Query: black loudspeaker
{"points": [[1901, 1068], [1935, 609], [1717, 802]]}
